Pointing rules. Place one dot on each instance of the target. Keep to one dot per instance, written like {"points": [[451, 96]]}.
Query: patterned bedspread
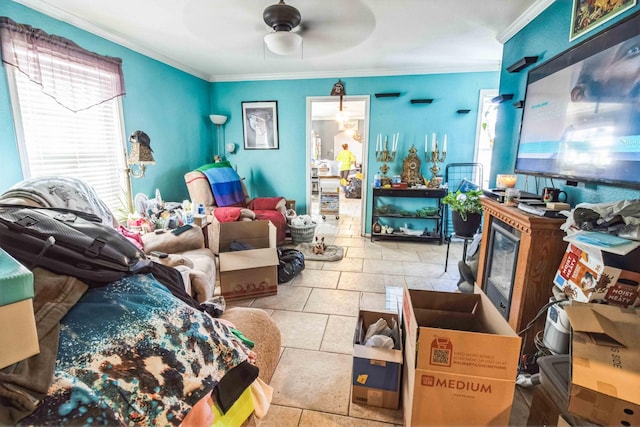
{"points": [[132, 354]]}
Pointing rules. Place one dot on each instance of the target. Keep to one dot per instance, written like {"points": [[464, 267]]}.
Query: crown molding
{"points": [[529, 15], [45, 7], [48, 9], [493, 66]]}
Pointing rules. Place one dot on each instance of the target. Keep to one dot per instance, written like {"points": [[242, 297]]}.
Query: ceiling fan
{"points": [[282, 18]]}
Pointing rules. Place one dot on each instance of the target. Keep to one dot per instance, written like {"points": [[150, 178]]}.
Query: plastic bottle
{"points": [[376, 180]]}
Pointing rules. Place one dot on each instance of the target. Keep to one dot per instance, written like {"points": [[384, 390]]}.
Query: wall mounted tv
{"points": [[581, 117]]}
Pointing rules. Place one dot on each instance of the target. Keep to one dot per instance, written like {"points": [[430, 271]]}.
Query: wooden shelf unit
{"points": [[540, 253], [436, 194]]}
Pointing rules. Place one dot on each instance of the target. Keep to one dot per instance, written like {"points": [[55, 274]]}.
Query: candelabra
{"points": [[384, 155], [435, 159]]}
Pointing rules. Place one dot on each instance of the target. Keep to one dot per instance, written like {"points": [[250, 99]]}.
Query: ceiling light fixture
{"points": [[282, 18]]}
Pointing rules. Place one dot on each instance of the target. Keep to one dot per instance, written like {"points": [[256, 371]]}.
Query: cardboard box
{"points": [[376, 371], [18, 333], [583, 276], [250, 273], [605, 363], [16, 281], [461, 360], [259, 234]]}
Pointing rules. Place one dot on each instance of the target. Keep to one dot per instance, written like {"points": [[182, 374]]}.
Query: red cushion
{"points": [[260, 203], [276, 218]]}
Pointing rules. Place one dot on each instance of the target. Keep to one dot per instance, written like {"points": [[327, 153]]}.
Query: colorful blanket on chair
{"points": [[225, 184]]}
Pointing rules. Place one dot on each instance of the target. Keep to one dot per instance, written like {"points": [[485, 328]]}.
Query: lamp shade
{"points": [[140, 154], [218, 119], [282, 42]]}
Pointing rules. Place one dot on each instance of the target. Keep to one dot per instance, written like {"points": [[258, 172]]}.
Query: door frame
{"points": [[365, 150]]}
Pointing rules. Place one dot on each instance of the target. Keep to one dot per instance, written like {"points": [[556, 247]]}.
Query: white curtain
{"points": [[57, 64]]}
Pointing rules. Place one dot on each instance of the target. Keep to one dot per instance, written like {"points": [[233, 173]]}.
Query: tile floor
{"points": [[316, 313]]}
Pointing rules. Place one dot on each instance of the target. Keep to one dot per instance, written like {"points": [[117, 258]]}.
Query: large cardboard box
{"points": [[605, 363], [461, 360], [16, 281], [259, 234], [376, 371], [250, 273], [18, 333], [583, 276]]}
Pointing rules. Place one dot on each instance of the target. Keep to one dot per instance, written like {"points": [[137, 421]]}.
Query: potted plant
{"points": [[466, 211]]}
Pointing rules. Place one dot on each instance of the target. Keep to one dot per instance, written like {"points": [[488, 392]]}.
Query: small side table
{"points": [[201, 221], [465, 244]]}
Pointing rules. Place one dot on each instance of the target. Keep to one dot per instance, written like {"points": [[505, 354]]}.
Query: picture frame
{"points": [[260, 125], [587, 15]]}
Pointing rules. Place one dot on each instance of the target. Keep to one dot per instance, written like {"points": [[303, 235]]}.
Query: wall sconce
{"points": [[140, 154], [230, 148], [219, 120]]}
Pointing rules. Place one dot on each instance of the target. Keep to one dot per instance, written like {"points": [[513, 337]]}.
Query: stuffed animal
{"points": [[319, 246]]}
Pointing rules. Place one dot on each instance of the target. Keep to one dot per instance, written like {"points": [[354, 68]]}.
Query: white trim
{"points": [[48, 9], [17, 122], [490, 66], [365, 150], [523, 20]]}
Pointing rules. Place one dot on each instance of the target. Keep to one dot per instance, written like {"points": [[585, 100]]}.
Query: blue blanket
{"points": [[225, 185]]}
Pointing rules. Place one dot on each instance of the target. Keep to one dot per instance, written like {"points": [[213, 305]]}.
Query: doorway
{"points": [[327, 129]]}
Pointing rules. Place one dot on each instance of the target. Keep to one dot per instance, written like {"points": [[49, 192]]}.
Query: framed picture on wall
{"points": [[588, 14], [260, 125]]}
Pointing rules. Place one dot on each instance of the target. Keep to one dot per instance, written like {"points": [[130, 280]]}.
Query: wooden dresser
{"points": [[540, 252]]}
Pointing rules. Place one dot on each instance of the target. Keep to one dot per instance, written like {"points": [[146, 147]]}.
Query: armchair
{"points": [[265, 208]]}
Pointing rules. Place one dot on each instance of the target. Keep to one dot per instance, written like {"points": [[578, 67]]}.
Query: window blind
{"points": [[88, 144]]}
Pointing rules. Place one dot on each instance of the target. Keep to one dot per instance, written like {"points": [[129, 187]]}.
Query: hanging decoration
{"points": [[338, 90]]}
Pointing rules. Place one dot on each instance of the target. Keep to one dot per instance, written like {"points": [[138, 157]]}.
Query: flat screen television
{"points": [[581, 115]]}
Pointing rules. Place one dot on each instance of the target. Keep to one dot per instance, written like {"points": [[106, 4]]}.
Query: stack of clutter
{"points": [[19, 341], [380, 334], [377, 359]]}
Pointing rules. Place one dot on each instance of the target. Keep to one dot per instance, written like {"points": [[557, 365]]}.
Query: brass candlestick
{"points": [[435, 159], [384, 155]]}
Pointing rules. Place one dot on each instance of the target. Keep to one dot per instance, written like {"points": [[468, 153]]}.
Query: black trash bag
{"points": [[354, 189], [291, 263]]}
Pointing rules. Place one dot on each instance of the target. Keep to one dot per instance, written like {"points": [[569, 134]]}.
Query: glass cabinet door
{"points": [[502, 262]]}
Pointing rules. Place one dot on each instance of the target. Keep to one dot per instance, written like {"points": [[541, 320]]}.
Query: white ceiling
{"points": [[222, 40]]}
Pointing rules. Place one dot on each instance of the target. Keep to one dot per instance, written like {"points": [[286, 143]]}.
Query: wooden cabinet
{"points": [[539, 253], [429, 227]]}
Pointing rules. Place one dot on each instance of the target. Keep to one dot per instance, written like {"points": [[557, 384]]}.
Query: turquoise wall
{"points": [[546, 36], [171, 106], [282, 172]]}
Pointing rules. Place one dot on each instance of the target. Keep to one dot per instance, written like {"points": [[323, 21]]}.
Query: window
{"points": [[67, 110], [56, 141]]}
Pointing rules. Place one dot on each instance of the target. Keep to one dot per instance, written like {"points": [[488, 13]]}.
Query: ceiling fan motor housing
{"points": [[281, 17]]}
